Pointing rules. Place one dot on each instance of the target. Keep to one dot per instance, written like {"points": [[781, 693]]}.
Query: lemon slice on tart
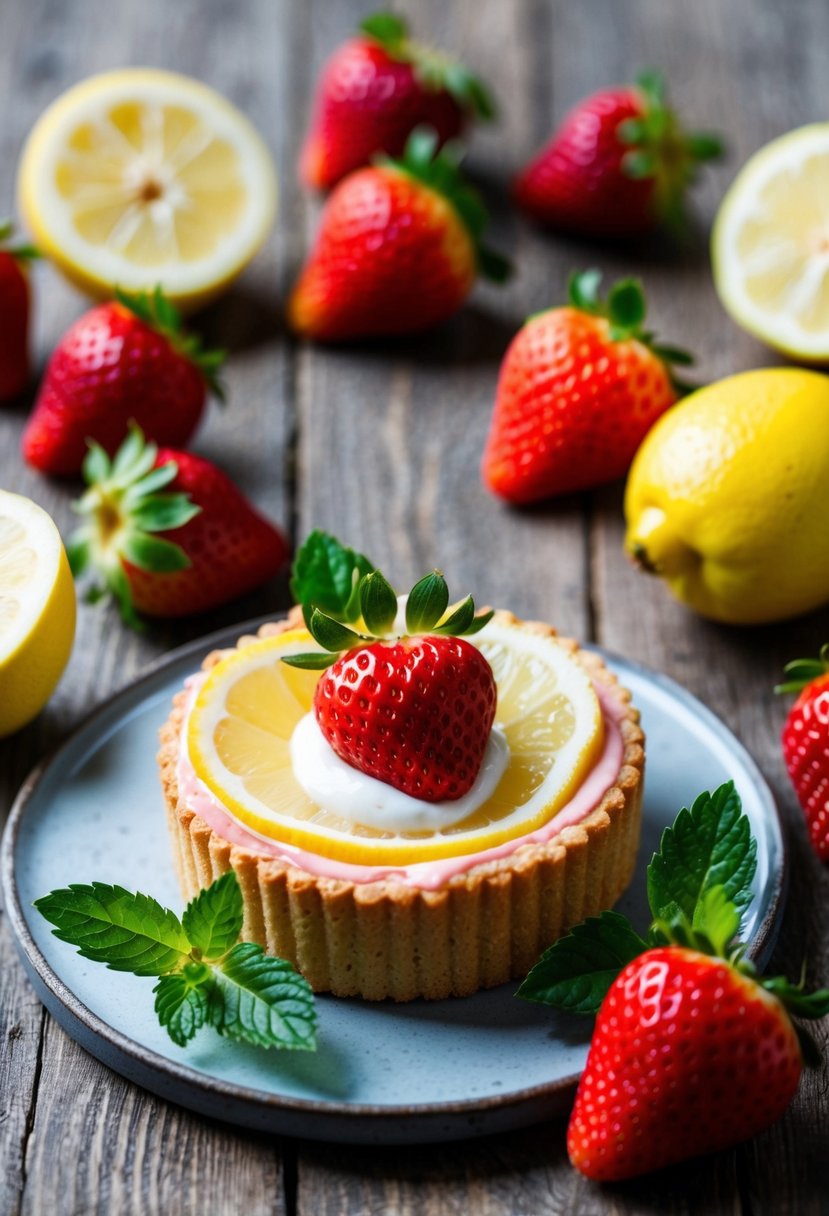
{"points": [[37, 610], [770, 244], [240, 727], [140, 177]]}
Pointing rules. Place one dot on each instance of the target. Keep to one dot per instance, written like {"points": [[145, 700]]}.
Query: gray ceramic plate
{"points": [[383, 1073]]}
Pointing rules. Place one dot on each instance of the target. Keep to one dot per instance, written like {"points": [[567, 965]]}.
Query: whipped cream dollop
{"points": [[360, 798]]}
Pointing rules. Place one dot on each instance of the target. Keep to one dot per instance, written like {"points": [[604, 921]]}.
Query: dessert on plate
{"points": [[416, 799]]}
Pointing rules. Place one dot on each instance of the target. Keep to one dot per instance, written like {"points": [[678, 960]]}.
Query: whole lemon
{"points": [[728, 497]]}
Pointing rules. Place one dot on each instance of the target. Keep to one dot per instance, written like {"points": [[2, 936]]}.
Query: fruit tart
{"points": [[416, 799]]}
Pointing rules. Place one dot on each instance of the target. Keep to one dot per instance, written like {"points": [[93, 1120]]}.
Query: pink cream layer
{"points": [[424, 875]]}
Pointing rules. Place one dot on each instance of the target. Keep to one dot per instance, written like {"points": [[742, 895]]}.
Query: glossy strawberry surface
{"points": [[687, 1057], [368, 102], [577, 183], [231, 547], [806, 752], [109, 369], [14, 327], [392, 256], [415, 714], [571, 406]]}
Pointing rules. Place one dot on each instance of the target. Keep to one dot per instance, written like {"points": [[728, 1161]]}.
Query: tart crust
{"points": [[385, 939]]}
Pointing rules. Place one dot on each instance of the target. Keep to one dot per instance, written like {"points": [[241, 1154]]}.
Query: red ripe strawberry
{"points": [[15, 369], [374, 91], [121, 362], [688, 1056], [806, 744], [414, 711], [398, 250], [579, 388], [198, 544], [617, 166]]}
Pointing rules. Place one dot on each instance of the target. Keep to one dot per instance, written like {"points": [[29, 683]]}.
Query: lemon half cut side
{"points": [[770, 245], [140, 177], [37, 610], [239, 730]]}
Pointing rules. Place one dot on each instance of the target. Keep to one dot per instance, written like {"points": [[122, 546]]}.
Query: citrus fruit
{"points": [[140, 177], [770, 245], [728, 497], [37, 610], [239, 732]]}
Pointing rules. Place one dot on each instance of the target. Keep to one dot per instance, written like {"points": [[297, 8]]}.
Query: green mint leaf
{"points": [[427, 602], [331, 634], [577, 970], [182, 1001], [151, 553], [716, 917], [326, 573], [312, 661], [378, 603], [163, 512], [213, 920], [262, 1000], [709, 845], [110, 925]]}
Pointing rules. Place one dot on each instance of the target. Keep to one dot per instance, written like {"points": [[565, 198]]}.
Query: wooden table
{"points": [[381, 444]]}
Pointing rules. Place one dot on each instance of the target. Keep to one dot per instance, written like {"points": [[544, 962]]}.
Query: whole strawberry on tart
{"points": [[375, 89], [416, 798]]}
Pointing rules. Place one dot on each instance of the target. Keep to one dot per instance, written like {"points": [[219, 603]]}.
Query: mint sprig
{"points": [[204, 974], [699, 884], [326, 574]]}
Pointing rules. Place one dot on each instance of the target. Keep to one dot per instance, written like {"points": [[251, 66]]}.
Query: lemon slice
{"points": [[37, 610], [139, 177], [770, 245], [240, 727]]}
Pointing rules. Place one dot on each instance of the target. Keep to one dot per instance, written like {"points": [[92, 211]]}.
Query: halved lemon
{"points": [[140, 177], [243, 717], [770, 245], [37, 610]]}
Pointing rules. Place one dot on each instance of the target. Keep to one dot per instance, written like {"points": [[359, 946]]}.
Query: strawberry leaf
{"points": [[577, 970], [313, 660], [160, 314], [331, 634], [386, 28], [325, 575], [427, 602], [153, 554], [160, 512], [801, 672], [802, 1004], [213, 920], [709, 845], [583, 290], [378, 603]]}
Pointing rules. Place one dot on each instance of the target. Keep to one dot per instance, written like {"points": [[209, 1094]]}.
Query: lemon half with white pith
{"points": [[140, 177], [240, 726], [770, 244]]}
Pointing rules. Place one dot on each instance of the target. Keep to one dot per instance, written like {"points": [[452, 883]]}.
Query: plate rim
{"points": [[162, 1067]]}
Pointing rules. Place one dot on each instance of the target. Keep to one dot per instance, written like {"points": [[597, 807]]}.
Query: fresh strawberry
{"points": [[15, 368], [579, 388], [374, 91], [806, 744], [121, 362], [692, 1050], [688, 1056], [198, 544], [398, 250], [618, 165], [416, 710]]}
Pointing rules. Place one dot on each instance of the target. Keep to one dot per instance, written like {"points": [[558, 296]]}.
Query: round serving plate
{"points": [[383, 1073]]}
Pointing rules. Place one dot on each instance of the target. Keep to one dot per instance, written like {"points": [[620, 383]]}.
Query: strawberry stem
{"points": [[160, 314], [803, 671]]}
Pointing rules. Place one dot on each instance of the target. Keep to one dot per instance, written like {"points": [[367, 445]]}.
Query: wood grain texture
{"points": [[381, 443]]}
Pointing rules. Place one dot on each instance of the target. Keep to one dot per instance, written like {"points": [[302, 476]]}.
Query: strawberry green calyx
{"points": [[21, 253], [660, 150], [699, 886], [362, 605], [625, 308], [801, 672], [439, 170], [432, 68], [122, 511], [156, 311]]}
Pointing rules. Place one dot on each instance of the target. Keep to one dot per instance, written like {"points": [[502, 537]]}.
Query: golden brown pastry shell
{"points": [[385, 939]]}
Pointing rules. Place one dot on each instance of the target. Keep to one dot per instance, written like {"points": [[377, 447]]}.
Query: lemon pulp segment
{"points": [[770, 244], [241, 723], [139, 177], [37, 610]]}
